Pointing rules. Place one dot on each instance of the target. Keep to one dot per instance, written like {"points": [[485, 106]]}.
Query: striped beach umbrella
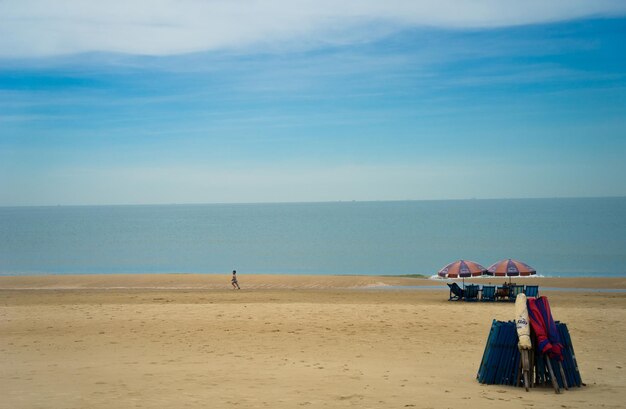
{"points": [[462, 269], [510, 268]]}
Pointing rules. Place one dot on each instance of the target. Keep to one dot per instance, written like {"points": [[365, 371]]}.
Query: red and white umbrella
{"points": [[462, 269], [510, 268]]}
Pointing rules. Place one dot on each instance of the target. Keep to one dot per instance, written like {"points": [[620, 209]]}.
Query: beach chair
{"points": [[514, 290], [471, 293], [489, 293], [531, 290], [456, 292], [502, 293]]}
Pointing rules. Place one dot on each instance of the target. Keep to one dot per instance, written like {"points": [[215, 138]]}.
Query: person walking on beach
{"points": [[234, 282]]}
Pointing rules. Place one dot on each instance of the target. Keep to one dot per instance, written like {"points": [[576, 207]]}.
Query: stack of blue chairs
{"points": [[570, 366], [500, 363]]}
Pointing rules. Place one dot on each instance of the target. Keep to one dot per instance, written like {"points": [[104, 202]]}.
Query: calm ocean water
{"points": [[559, 237]]}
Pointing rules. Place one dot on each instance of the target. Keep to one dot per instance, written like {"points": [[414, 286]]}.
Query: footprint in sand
{"points": [[351, 397]]}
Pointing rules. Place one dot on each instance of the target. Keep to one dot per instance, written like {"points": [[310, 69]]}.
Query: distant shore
{"points": [[276, 281]]}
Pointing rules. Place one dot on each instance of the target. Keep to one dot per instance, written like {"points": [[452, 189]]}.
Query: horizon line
{"points": [[316, 202]]}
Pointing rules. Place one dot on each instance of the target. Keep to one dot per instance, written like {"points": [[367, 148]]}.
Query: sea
{"points": [[558, 237]]}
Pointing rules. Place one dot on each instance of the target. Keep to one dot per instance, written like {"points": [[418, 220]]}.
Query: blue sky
{"points": [[430, 106]]}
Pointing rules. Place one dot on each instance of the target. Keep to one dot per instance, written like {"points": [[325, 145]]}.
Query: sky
{"points": [[132, 102]]}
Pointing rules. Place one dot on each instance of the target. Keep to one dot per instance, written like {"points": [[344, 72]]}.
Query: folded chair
{"points": [[456, 292], [489, 293]]}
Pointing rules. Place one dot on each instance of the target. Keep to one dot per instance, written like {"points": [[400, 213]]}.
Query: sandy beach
{"points": [[163, 341]]}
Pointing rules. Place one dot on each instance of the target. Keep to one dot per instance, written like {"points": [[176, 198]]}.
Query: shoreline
{"points": [[187, 282]]}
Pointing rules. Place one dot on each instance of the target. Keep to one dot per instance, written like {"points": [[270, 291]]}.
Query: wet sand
{"points": [[162, 341]]}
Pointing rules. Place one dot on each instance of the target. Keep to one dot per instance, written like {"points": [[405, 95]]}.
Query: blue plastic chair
{"points": [[471, 293], [531, 290], [488, 293], [514, 291]]}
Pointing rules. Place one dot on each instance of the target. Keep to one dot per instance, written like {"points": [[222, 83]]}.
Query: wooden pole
{"points": [[525, 362], [555, 384]]}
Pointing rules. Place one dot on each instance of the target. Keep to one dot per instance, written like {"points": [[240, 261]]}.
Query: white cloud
{"points": [[31, 28]]}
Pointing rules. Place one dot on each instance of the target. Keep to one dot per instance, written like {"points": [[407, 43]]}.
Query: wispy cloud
{"points": [[421, 112], [31, 28]]}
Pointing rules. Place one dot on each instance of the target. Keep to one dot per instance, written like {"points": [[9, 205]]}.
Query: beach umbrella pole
{"points": [[552, 377]]}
